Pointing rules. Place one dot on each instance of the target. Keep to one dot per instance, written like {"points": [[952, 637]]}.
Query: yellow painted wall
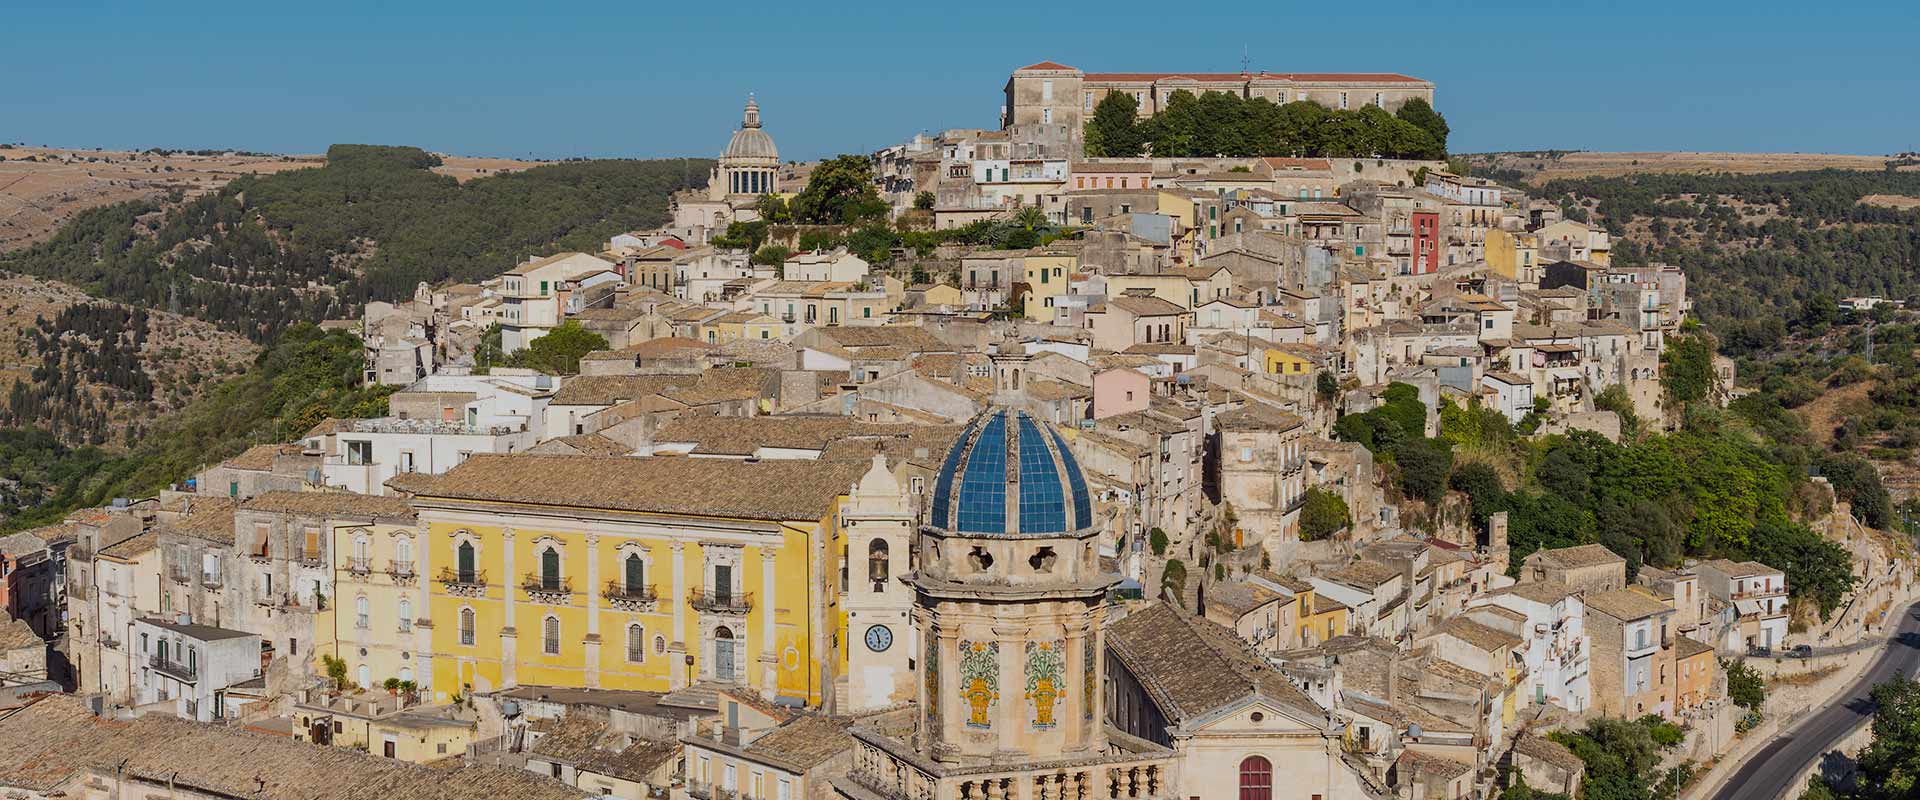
{"points": [[1281, 362], [1175, 289], [382, 638], [796, 659], [421, 745], [1047, 277]]}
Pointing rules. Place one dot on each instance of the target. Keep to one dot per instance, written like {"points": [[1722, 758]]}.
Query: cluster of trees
{"points": [[1725, 485], [1396, 434], [1322, 514], [557, 353], [306, 377], [1622, 758], [1754, 245], [1220, 124], [90, 361], [309, 244]]}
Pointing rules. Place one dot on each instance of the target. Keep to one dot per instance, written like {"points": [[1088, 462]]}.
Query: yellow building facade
{"points": [[635, 573], [1513, 255], [377, 585], [1047, 276]]}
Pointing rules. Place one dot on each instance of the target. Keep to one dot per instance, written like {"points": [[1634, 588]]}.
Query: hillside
{"points": [[1544, 165], [43, 188], [265, 251], [96, 372]]}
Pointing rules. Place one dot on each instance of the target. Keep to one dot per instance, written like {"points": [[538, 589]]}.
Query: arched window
{"points": [[406, 614], [636, 574], [636, 644], [360, 612], [877, 563], [550, 636], [466, 626], [366, 676], [1256, 779], [406, 674], [403, 552], [549, 568], [466, 562]]}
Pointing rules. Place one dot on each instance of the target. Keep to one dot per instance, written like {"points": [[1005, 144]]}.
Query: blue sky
{"points": [[641, 79]]}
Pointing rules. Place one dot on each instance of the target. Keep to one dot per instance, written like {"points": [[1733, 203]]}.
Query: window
{"points": [[1256, 779], [1046, 117], [550, 636], [360, 613], [365, 676], [311, 547], [636, 644], [466, 627], [406, 461], [359, 453], [549, 568], [1086, 101], [464, 556], [1046, 91], [406, 615], [636, 573]]}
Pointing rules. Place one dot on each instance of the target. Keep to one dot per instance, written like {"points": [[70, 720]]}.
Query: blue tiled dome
{"points": [[1049, 493]]}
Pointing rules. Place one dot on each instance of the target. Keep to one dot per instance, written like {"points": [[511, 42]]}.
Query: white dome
{"points": [[751, 143]]}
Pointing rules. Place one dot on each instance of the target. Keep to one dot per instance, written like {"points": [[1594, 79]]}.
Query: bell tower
{"points": [[879, 535]]}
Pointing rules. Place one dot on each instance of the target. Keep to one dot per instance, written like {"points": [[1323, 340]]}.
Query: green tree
{"points": [[772, 255], [1686, 370], [1322, 513], [1745, 687], [1890, 765], [487, 353], [1424, 466], [773, 208], [1421, 114], [559, 351], [1114, 129], [1173, 579], [1157, 540], [840, 191], [924, 200]]}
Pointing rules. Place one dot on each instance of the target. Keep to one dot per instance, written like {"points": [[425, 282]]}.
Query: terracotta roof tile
{"points": [[768, 490]]}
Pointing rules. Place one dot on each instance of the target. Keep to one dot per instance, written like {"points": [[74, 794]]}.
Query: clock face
{"points": [[879, 638]]}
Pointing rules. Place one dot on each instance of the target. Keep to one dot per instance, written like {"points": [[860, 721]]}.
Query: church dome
{"points": [[1010, 474], [750, 142]]}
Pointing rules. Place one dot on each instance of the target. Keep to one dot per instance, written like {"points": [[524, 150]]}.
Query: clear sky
{"points": [[646, 78]]}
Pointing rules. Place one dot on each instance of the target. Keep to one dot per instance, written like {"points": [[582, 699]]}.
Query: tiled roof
{"points": [[209, 517], [769, 490], [744, 435], [410, 482], [1625, 604], [1240, 598], [601, 390], [1367, 575], [805, 741], [51, 742], [260, 456], [1547, 750], [1144, 306], [592, 444], [332, 504], [910, 338], [1478, 635], [1688, 647], [16, 634], [1191, 667], [1586, 555], [1044, 65], [1412, 761], [1298, 77], [131, 547], [1256, 417]]}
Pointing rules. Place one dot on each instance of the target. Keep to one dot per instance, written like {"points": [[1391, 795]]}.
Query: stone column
{"points": [[592, 591], [423, 603], [769, 657], [678, 602], [509, 635]]}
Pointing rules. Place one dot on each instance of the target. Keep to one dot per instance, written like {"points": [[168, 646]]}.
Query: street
{"points": [[1771, 771]]}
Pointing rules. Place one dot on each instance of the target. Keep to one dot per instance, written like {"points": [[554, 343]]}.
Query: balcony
{"points": [[311, 558], [175, 670], [720, 602], [463, 583], [401, 572], [359, 566], [555, 591], [178, 576], [634, 598], [212, 581]]}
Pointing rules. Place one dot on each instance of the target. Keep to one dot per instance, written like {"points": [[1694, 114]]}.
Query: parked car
{"points": [[1801, 651], [1760, 652]]}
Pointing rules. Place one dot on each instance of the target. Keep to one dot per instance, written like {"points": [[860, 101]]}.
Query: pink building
{"points": [[1120, 391]]}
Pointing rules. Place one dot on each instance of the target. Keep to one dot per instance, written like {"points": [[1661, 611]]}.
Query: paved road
{"points": [[1769, 771]]}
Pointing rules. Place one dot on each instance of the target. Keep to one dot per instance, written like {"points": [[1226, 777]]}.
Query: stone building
{"points": [[1009, 610], [749, 164]]}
